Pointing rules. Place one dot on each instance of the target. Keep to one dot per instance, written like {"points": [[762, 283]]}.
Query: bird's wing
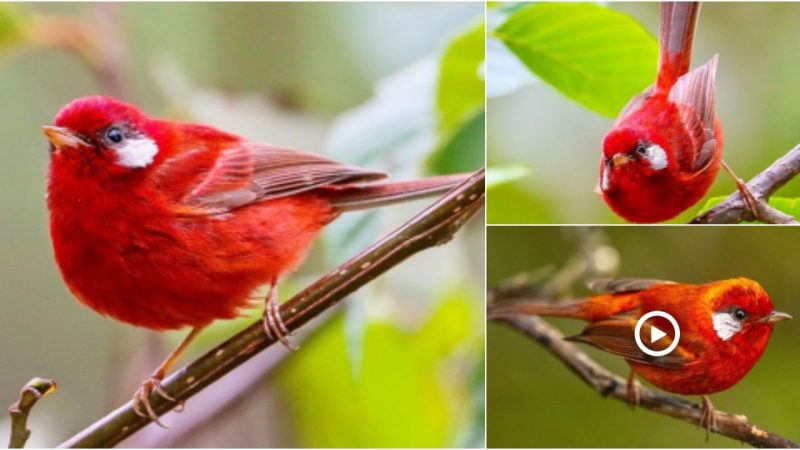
{"points": [[247, 172], [695, 95], [623, 285], [616, 335], [634, 104]]}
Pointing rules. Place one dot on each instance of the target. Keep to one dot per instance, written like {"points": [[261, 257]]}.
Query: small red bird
{"points": [[665, 148], [724, 328], [166, 225]]}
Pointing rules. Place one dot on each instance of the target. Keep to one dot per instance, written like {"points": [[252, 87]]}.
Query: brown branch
{"points": [[436, 225], [763, 185], [30, 394], [608, 384]]}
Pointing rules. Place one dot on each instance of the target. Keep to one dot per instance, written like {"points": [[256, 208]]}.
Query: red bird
{"points": [[166, 225], [665, 148], [724, 328]]}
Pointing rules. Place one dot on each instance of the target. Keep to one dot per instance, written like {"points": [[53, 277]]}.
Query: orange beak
{"points": [[62, 137], [776, 316], [620, 160]]}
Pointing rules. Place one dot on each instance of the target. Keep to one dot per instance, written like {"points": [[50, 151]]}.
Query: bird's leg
{"points": [[141, 399], [273, 324], [708, 419], [633, 391], [747, 197]]}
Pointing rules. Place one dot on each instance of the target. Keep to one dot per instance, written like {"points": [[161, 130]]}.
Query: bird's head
{"points": [[742, 312], [102, 133], [631, 154]]}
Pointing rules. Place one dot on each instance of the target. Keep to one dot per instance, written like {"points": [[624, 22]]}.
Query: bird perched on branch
{"points": [[724, 329], [665, 148], [166, 225]]}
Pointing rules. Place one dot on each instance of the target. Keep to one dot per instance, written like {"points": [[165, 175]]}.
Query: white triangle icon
{"points": [[656, 334]]}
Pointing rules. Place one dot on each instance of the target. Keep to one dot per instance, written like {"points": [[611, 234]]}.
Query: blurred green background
{"points": [[559, 140], [393, 86], [535, 401]]}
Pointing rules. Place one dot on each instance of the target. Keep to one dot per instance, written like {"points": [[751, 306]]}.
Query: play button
{"points": [[656, 334]]}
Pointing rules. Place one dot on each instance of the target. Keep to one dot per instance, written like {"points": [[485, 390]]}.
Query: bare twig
{"points": [[610, 385], [436, 225], [19, 411], [733, 209]]}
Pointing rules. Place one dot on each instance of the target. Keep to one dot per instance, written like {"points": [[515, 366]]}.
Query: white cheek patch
{"points": [[725, 325], [657, 157], [136, 153], [604, 178]]}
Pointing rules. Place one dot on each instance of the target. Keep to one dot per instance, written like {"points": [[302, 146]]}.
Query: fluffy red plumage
{"points": [[665, 148]]}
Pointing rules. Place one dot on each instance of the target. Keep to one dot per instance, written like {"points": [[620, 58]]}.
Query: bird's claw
{"points": [[633, 392], [141, 399], [272, 322], [750, 201], [708, 418]]}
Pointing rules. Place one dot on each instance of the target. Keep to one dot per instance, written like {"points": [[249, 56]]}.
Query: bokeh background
{"points": [[535, 401], [390, 86], [559, 140]]}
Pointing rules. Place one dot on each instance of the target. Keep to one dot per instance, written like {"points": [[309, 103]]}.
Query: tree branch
{"points": [[436, 225], [609, 385], [763, 185], [30, 394]]}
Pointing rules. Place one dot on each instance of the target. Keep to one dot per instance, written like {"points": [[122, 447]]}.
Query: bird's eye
{"points": [[641, 149], [114, 135], [739, 314]]}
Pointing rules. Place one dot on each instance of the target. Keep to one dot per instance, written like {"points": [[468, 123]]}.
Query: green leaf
{"points": [[496, 176], [593, 55], [460, 104], [785, 205], [712, 202], [507, 72], [464, 152], [460, 91], [13, 22], [789, 206], [414, 387]]}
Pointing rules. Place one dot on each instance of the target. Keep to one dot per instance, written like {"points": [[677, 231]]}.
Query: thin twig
{"points": [[19, 411], [436, 225], [762, 186], [610, 385]]}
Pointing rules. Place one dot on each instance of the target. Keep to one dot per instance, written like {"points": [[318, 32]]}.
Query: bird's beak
{"points": [[776, 316], [620, 160], [62, 138]]}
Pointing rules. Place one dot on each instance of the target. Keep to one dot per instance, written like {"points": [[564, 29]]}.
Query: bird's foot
{"points": [[633, 391], [141, 399], [750, 201], [272, 322], [708, 418]]}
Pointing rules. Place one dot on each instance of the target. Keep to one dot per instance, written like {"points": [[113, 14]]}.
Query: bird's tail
{"points": [[356, 197], [678, 21], [571, 309], [588, 309]]}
